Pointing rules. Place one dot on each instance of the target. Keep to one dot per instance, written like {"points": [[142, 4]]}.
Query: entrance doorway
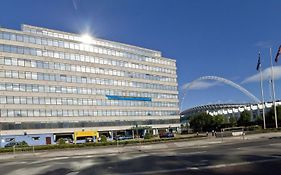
{"points": [[48, 140]]}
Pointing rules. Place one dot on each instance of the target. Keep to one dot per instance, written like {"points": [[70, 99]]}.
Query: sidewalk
{"points": [[138, 147]]}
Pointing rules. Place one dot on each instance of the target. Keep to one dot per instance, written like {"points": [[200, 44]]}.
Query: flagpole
{"points": [[270, 89], [262, 95], [273, 89]]}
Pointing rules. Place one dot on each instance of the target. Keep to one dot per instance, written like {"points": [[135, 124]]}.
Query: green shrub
{"points": [[61, 141], [103, 139], [147, 136], [254, 128], [61, 144], [23, 144]]}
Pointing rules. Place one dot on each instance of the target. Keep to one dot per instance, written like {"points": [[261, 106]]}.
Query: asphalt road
{"points": [[261, 156]]}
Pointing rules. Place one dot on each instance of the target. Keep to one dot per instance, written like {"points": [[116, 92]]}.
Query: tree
{"points": [[244, 119], [259, 120], [198, 122], [270, 117], [232, 121], [217, 121], [205, 122]]}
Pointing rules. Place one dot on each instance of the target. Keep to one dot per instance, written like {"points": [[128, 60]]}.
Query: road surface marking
{"points": [[89, 156], [73, 173], [196, 168], [191, 153], [204, 146], [275, 144], [29, 170], [193, 168], [59, 158]]}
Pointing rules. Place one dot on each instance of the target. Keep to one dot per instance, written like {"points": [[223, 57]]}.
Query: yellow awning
{"points": [[86, 134]]}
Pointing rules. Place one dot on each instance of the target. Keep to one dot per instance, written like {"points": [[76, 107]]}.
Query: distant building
{"points": [[57, 82], [227, 110]]}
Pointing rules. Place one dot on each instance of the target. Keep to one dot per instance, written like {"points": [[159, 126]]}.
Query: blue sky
{"points": [[216, 37]]}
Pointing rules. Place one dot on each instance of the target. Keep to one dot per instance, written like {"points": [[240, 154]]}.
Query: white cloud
{"points": [[75, 4], [264, 44], [199, 85], [266, 75]]}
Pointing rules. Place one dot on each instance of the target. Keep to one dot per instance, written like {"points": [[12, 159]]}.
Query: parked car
{"points": [[11, 144], [68, 140], [166, 135], [89, 139], [123, 137]]}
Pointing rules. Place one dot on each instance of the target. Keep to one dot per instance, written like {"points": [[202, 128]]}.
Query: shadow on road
{"points": [[155, 164]]}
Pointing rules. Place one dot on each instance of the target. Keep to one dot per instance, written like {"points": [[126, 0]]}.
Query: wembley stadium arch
{"points": [[222, 80]]}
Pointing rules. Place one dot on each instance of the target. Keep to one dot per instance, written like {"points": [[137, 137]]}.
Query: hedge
{"points": [[98, 144]]}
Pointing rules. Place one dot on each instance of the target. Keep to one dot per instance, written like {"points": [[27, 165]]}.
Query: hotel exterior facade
{"points": [[55, 82]]}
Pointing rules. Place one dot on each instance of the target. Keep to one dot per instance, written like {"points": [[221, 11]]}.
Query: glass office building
{"points": [[58, 82]]}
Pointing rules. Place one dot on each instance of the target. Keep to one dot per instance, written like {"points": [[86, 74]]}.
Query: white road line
{"points": [[214, 142], [73, 173], [155, 172], [193, 168], [237, 164], [82, 164], [59, 158], [204, 146], [175, 153], [38, 161], [275, 144], [11, 163], [48, 159], [29, 170], [89, 156], [191, 153]]}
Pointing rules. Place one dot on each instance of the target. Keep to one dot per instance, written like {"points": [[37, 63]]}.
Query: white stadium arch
{"points": [[223, 80]]}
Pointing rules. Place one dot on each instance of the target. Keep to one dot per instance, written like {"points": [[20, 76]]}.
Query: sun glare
{"points": [[86, 39]]}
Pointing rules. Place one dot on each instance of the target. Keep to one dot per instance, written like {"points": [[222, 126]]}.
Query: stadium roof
{"points": [[204, 108]]}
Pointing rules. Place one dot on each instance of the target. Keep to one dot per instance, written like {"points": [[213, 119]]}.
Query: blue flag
{"points": [[278, 54], [259, 62]]}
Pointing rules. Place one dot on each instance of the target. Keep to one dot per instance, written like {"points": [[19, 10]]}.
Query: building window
{"points": [[35, 138]]}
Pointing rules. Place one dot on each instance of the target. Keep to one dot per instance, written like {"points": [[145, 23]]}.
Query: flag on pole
{"points": [[278, 54], [259, 62]]}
